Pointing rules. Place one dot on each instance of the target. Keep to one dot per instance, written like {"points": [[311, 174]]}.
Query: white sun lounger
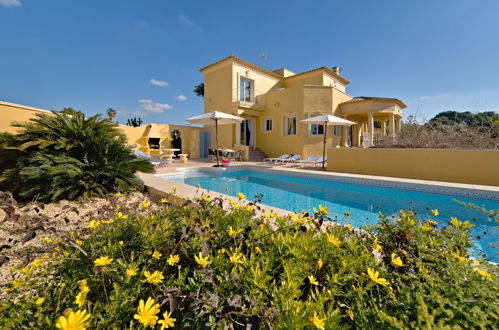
{"points": [[292, 159], [271, 160]]}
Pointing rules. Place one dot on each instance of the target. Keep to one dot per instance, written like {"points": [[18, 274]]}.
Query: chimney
{"points": [[336, 69]]}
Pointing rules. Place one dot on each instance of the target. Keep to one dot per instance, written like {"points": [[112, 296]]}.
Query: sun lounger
{"points": [[292, 159], [319, 161], [307, 161], [271, 160], [156, 161]]}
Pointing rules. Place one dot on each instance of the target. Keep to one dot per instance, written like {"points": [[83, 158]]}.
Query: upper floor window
{"points": [[245, 90], [290, 126], [316, 129], [267, 125]]}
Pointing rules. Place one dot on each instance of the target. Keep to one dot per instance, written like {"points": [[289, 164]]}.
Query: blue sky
{"points": [[141, 57]]}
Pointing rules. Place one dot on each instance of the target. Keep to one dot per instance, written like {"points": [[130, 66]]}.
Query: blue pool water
{"points": [[362, 201]]}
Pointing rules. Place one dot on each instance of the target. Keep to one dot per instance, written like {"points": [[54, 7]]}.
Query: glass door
{"points": [[246, 133]]}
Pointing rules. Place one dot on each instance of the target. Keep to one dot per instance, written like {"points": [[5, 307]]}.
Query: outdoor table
{"points": [[169, 151]]}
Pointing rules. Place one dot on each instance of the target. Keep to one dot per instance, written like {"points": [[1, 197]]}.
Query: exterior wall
{"points": [[328, 80], [139, 136], [218, 96], [464, 166], [10, 112]]}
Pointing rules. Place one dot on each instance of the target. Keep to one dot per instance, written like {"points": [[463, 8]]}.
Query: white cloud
{"points": [[184, 20], [180, 97], [149, 106], [10, 3], [157, 82]]}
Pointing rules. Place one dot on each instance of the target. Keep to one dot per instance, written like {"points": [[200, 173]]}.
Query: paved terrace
{"points": [[167, 187]]}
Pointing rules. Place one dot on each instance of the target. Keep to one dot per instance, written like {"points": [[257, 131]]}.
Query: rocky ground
{"points": [[27, 229]]}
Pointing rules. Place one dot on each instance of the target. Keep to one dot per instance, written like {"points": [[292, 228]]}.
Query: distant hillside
{"points": [[480, 119]]}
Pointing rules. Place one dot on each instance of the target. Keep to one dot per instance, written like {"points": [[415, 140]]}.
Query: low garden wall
{"points": [[464, 166]]}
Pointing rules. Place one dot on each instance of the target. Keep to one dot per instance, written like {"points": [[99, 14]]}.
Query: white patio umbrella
{"points": [[215, 118], [327, 120]]}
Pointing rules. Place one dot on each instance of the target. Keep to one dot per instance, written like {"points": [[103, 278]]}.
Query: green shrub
{"points": [[61, 156], [236, 270]]}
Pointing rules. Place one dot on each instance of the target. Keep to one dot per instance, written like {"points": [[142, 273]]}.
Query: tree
{"points": [[111, 113], [199, 89], [70, 111], [60, 156], [134, 122]]}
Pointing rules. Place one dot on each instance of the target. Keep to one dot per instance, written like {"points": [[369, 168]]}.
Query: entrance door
{"points": [[246, 133], [204, 143]]}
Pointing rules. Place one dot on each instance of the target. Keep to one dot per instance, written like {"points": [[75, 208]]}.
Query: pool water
{"points": [[362, 201]]}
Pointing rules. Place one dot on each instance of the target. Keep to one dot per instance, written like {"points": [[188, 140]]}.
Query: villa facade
{"points": [[274, 102]]}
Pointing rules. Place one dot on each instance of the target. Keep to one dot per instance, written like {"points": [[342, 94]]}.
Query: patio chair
{"points": [[307, 160], [271, 160], [319, 161], [293, 159], [156, 161]]}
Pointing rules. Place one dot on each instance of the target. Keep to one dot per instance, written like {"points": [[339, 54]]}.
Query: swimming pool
{"points": [[361, 198]]}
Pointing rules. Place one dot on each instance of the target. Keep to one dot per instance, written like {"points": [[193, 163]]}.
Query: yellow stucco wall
{"points": [[10, 112], [464, 166]]}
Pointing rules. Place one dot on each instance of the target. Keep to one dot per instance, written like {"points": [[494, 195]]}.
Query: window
{"points": [[245, 90], [267, 125], [316, 129], [290, 126]]}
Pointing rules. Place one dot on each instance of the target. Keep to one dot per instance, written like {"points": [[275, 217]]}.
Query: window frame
{"points": [[286, 126], [265, 120], [316, 134], [242, 90]]}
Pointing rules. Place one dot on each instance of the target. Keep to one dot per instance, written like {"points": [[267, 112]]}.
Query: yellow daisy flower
{"points": [[131, 271], [203, 261], [39, 301], [317, 322], [156, 254], [146, 312], [483, 273], [73, 320], [396, 260], [313, 280], [241, 196], [320, 263], [80, 299], [145, 204], [47, 239], [237, 258], [167, 321], [233, 232], [435, 212], [154, 278], [333, 239], [173, 259], [103, 261], [374, 275]]}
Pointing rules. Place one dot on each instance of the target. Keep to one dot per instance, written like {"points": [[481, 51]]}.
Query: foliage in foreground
{"points": [[208, 268], [63, 156]]}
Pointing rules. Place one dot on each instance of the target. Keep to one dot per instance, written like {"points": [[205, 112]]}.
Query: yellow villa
{"points": [[274, 102]]}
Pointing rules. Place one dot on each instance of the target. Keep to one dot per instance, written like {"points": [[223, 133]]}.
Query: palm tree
{"points": [[111, 113], [61, 156]]}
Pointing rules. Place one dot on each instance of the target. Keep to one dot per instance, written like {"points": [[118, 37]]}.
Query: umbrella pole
{"points": [[324, 147], [216, 139]]}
